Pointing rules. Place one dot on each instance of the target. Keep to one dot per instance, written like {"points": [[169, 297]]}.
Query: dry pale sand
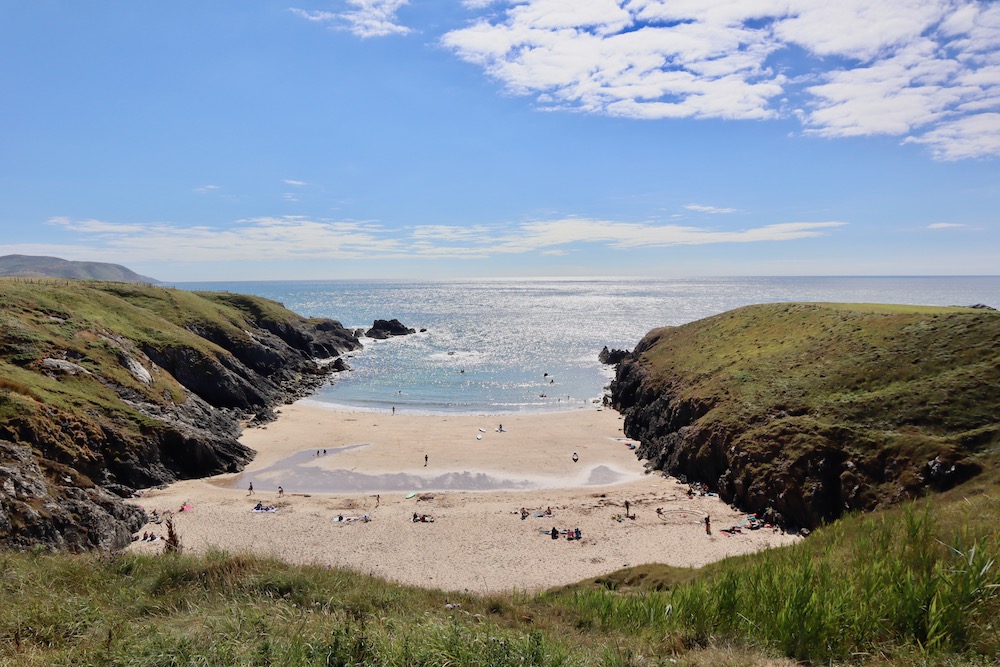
{"points": [[478, 540]]}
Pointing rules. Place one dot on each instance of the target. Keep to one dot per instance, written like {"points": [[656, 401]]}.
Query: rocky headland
{"points": [[106, 387], [802, 412]]}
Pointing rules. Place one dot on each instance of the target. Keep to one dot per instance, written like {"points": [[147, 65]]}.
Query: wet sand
{"points": [[474, 484]]}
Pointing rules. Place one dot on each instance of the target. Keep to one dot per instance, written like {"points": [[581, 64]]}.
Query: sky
{"points": [[338, 139]]}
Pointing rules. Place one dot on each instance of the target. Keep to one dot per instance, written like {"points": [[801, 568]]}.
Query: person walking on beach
{"points": [[281, 492], [250, 489], [425, 460]]}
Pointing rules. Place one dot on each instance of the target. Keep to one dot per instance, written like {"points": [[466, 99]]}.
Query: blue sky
{"points": [[308, 139]]}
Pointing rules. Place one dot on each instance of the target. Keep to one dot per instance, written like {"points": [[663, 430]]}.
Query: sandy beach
{"points": [[472, 479]]}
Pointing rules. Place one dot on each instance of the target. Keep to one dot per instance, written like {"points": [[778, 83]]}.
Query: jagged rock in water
{"points": [[382, 329]]}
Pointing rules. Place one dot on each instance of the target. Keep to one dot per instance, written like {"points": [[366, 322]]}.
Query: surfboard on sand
{"points": [[411, 494]]}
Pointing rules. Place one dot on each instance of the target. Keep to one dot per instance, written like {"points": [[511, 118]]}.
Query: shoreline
{"points": [[402, 409], [477, 541]]}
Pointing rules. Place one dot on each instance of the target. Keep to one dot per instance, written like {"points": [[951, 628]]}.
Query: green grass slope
{"points": [[811, 410], [902, 588]]}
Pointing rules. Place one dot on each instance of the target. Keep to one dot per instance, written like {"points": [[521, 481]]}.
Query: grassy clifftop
{"points": [[811, 410], [122, 385]]}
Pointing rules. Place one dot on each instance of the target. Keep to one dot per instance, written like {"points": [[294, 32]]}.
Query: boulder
{"points": [[382, 329]]}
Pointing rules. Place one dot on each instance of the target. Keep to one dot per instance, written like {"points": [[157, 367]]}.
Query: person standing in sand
{"points": [[250, 489], [425, 460]]}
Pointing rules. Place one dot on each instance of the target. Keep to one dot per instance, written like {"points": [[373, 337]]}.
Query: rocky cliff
{"points": [[109, 387], [801, 412]]}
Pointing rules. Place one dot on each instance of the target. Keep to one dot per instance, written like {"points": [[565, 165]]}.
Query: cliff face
{"points": [[108, 387], [801, 412]]}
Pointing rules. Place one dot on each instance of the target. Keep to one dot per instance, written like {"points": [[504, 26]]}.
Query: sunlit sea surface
{"points": [[506, 346]]}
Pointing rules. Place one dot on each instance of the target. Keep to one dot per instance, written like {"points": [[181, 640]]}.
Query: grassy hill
{"points": [[32, 266], [806, 411], [110, 386]]}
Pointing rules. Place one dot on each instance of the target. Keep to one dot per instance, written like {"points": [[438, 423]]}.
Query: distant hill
{"points": [[32, 266]]}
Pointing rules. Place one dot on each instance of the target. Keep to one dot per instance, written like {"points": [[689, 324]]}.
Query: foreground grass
{"points": [[900, 588]]}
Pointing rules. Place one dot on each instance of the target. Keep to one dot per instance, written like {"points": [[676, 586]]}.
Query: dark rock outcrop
{"points": [[58, 509], [613, 357], [383, 329]]}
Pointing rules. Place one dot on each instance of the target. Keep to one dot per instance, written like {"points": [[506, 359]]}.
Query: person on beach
{"points": [[626, 510], [394, 409], [250, 489], [524, 514], [554, 533], [425, 460], [576, 457], [281, 492], [708, 524]]}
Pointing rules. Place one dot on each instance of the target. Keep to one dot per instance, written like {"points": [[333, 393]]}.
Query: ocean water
{"points": [[506, 346]]}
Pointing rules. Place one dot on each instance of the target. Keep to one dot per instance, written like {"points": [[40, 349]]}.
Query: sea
{"points": [[504, 346]]}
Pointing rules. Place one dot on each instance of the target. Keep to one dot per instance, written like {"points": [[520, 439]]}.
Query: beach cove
{"points": [[478, 540]]}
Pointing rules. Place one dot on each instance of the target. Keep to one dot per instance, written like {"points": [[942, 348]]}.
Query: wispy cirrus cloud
{"points": [[700, 208], [946, 225], [367, 18], [304, 238], [927, 71], [205, 189]]}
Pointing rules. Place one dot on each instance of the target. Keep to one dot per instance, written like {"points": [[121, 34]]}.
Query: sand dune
{"points": [[478, 540]]}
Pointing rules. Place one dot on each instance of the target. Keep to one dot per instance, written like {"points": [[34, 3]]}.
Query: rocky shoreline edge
{"points": [[65, 474]]}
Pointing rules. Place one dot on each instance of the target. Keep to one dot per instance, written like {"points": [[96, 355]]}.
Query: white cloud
{"points": [[699, 208], [924, 70], [969, 137], [303, 238], [205, 189], [945, 225], [289, 181], [368, 18]]}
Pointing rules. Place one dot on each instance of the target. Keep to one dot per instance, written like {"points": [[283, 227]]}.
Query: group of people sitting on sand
{"points": [[525, 513], [146, 537], [340, 518], [261, 507], [422, 518], [570, 533]]}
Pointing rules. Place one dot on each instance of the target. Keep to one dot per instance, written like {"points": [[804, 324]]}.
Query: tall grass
{"points": [[895, 590], [892, 584]]}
